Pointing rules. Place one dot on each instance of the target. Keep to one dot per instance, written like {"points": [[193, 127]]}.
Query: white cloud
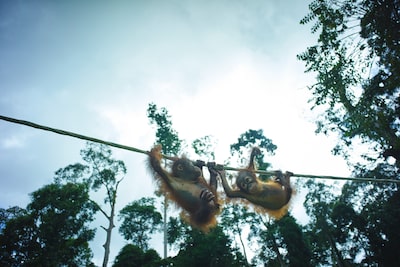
{"points": [[12, 142]]}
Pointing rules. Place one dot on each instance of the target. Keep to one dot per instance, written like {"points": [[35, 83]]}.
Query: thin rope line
{"points": [[80, 136], [359, 179], [112, 144]]}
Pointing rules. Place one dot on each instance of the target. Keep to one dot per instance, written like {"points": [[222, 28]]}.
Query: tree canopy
{"points": [[52, 231], [357, 93], [357, 62], [139, 219]]}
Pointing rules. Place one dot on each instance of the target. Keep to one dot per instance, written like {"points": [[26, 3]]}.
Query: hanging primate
{"points": [[186, 186], [273, 196]]}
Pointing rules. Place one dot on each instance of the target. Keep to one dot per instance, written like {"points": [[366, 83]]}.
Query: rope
{"points": [[359, 179], [75, 135], [96, 140]]}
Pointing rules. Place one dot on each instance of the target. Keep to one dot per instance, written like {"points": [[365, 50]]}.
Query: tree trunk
{"points": [[108, 238], [278, 254], [339, 260], [241, 241], [165, 227]]}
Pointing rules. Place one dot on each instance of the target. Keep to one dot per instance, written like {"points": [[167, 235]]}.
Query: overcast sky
{"points": [[91, 67]]}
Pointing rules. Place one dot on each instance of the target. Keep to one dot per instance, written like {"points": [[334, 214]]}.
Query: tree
{"points": [[318, 204], [171, 145], [206, 249], [322, 232], [298, 251], [349, 231], [372, 212], [18, 246], [129, 256], [133, 256], [384, 237], [61, 213], [53, 231], [8, 214], [274, 237], [234, 218], [165, 134], [357, 61], [252, 138], [101, 172], [204, 147], [139, 219], [281, 242], [200, 249]]}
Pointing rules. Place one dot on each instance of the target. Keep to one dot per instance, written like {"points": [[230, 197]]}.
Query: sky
{"points": [[219, 67]]}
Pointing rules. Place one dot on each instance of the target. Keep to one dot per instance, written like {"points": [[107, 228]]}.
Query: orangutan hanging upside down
{"points": [[272, 196], [186, 186]]}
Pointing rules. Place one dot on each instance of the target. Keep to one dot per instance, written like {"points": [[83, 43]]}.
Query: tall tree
{"points": [[234, 219], [53, 231], [8, 214], [62, 213], [281, 242], [102, 172], [298, 251], [133, 256], [271, 235], [171, 145], [265, 231], [252, 138], [319, 204], [139, 219], [165, 134], [18, 246], [106, 173], [200, 249], [357, 61], [371, 212]]}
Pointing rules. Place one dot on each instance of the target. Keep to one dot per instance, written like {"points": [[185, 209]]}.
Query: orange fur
{"points": [[272, 197], [188, 189]]}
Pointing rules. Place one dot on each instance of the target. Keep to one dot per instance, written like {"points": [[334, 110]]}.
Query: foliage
{"points": [[52, 231], [319, 204], [171, 145], [272, 236], [254, 138], [177, 231], [133, 256], [101, 172], [234, 219], [375, 215], [204, 147], [165, 135], [73, 173], [298, 251], [17, 241], [201, 249], [384, 237], [8, 214], [281, 243], [359, 222], [357, 61], [104, 169], [139, 219]]}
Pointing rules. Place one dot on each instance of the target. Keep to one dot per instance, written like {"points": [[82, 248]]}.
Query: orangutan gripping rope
{"points": [[272, 196], [186, 186]]}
